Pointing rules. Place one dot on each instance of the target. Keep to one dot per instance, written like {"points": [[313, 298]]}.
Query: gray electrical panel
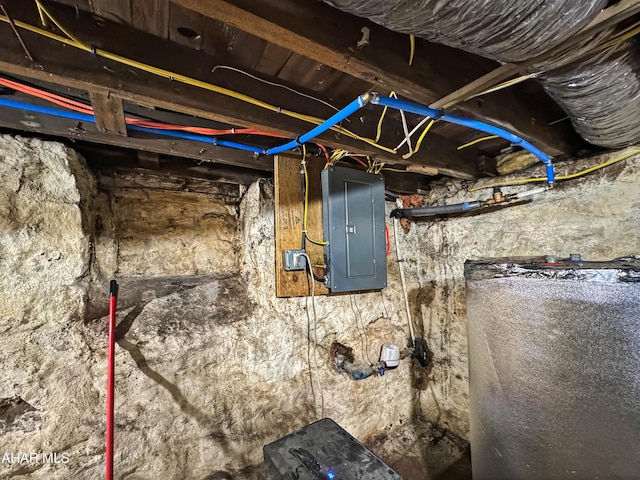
{"points": [[354, 223]]}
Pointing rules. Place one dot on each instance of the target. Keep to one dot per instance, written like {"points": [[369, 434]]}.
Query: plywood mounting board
{"points": [[289, 200]]}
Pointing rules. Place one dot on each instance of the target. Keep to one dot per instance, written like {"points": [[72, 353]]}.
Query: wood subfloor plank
{"points": [[118, 10], [151, 16]]}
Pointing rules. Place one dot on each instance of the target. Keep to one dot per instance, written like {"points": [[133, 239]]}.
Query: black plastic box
{"points": [[323, 451]]}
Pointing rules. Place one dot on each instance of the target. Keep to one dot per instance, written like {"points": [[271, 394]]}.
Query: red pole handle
{"points": [[113, 297]]}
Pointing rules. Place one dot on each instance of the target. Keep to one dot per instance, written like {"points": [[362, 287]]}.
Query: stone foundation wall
{"points": [[596, 215], [210, 365]]}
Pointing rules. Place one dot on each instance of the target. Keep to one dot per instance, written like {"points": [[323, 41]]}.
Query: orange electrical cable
{"points": [[50, 97], [359, 161], [87, 109], [326, 154]]}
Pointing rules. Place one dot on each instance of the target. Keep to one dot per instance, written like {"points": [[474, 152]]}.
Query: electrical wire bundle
{"points": [[69, 39], [80, 107], [85, 111], [333, 123]]}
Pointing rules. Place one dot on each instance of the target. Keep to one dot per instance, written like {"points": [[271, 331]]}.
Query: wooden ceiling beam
{"points": [[73, 68], [148, 148], [329, 36], [41, 124]]}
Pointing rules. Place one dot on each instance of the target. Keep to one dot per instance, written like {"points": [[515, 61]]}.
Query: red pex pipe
{"points": [[113, 297]]}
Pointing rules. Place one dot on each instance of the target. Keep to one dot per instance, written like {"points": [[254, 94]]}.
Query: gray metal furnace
{"points": [[554, 360]]}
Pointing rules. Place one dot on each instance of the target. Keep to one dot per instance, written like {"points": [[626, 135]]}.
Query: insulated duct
{"points": [[599, 91], [505, 30], [601, 95]]}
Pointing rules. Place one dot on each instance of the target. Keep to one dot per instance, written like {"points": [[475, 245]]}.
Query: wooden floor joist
{"points": [[78, 69], [109, 113], [17, 120], [329, 36]]}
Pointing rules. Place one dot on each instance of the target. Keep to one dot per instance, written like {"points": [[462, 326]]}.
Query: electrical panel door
{"points": [[354, 227]]}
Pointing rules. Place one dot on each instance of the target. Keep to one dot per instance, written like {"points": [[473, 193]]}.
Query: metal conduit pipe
{"points": [[412, 213], [600, 92], [498, 198]]}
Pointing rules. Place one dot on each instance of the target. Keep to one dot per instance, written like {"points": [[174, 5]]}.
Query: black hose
{"points": [[412, 213]]}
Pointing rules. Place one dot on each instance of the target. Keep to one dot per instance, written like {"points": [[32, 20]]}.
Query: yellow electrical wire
{"points": [[561, 177], [43, 18], [477, 140], [633, 26], [306, 198], [375, 166], [503, 85], [384, 112], [420, 139], [424, 134], [623, 36], [412, 48], [372, 166], [44, 33], [379, 128], [336, 155], [42, 9], [72, 41]]}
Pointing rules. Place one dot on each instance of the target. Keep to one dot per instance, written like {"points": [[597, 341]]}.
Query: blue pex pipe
{"points": [[81, 117], [335, 119], [466, 122], [197, 138], [84, 117]]}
